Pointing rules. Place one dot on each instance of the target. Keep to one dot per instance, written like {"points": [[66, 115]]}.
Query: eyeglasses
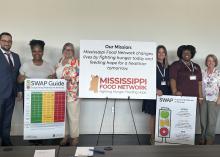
{"points": [[6, 41], [68, 49]]}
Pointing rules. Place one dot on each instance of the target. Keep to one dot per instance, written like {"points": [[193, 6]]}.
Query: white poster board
{"points": [[175, 120], [117, 69], [44, 108]]}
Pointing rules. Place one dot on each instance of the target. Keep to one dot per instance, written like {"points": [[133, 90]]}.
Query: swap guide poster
{"points": [[44, 108]]}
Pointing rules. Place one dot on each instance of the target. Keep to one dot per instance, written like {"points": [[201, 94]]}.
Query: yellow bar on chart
{"points": [[48, 107]]}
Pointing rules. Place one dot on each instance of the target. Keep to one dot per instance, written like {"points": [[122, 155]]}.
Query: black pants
{"points": [[6, 112]]}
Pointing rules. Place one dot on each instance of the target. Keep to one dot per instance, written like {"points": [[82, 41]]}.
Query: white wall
{"points": [[168, 22]]}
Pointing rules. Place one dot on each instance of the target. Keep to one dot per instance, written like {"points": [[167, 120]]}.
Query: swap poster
{"points": [[175, 120], [44, 108]]}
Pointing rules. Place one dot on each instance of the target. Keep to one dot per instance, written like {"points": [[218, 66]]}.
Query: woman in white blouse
{"points": [[37, 67], [211, 104]]}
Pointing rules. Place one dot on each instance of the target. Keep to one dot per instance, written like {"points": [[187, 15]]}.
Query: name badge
{"points": [[192, 77], [163, 83]]}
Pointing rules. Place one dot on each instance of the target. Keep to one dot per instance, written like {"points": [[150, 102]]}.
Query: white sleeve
{"points": [[52, 69], [22, 69], [203, 73]]}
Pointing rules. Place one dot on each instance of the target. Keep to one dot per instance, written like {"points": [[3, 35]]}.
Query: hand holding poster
{"points": [[175, 120], [44, 109], [117, 69]]}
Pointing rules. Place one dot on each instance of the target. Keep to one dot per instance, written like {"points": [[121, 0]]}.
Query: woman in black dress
{"points": [[163, 88]]}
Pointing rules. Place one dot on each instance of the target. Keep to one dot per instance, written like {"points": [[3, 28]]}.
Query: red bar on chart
{"points": [[59, 110]]}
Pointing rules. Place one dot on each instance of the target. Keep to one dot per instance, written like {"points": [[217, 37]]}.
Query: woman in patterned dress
{"points": [[68, 69], [210, 107]]}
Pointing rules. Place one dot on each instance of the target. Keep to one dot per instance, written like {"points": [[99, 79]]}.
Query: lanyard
{"points": [[191, 70], [164, 74]]}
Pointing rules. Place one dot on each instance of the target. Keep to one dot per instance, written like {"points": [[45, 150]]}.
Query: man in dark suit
{"points": [[9, 70]]}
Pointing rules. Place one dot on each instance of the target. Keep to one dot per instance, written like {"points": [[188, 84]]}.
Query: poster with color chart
{"points": [[44, 108], [175, 120]]}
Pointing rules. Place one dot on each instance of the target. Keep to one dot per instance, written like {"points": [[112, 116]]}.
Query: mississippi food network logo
{"points": [[117, 83]]}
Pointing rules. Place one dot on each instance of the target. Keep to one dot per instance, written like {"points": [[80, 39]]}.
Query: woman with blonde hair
{"points": [[68, 69], [211, 104]]}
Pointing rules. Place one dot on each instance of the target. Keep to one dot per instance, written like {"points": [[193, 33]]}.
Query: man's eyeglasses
{"points": [[6, 41], [68, 50]]}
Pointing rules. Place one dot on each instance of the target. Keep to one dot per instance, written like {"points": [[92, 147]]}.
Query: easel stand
{"points": [[113, 123]]}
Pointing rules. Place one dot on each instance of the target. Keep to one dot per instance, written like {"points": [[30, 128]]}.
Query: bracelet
{"points": [[201, 98]]}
